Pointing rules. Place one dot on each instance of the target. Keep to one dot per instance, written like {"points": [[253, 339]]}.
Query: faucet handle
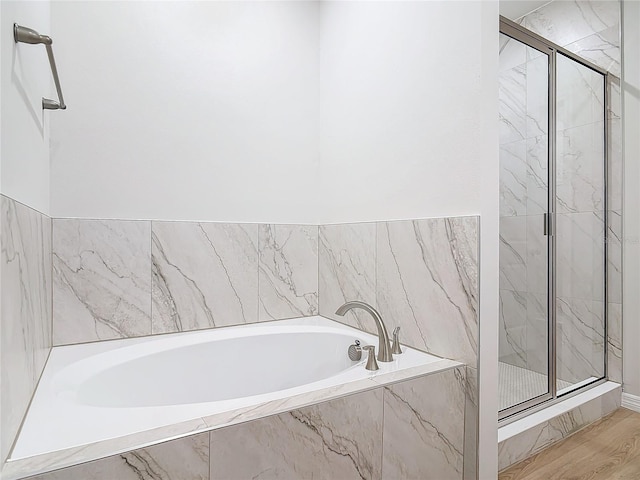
{"points": [[355, 351], [395, 346], [372, 364]]}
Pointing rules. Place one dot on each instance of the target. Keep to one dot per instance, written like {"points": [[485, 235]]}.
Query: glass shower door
{"points": [[580, 224], [553, 218], [524, 247]]}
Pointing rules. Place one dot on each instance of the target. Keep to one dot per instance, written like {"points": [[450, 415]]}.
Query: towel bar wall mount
{"points": [[27, 35]]}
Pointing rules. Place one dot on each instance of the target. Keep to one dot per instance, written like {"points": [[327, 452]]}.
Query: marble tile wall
{"points": [[121, 278], [204, 275], [591, 30], [417, 444], [101, 280], [411, 430], [337, 439], [25, 316], [183, 459], [544, 434], [288, 271], [422, 276]]}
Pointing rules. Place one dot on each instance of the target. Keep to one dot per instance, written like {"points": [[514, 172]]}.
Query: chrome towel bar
{"points": [[27, 35]]}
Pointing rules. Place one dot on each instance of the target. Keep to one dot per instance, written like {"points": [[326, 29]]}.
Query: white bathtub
{"points": [[95, 392]]}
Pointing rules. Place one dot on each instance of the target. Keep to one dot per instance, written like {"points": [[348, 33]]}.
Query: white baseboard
{"points": [[632, 402]]}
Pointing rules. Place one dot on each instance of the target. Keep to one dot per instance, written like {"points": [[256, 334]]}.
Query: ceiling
{"points": [[514, 9]]}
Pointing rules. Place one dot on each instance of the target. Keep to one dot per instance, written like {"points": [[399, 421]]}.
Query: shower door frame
{"points": [[519, 33]]}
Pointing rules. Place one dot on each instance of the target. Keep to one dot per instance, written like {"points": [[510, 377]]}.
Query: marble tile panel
{"points": [[102, 280], [424, 428], [347, 271], [512, 107], [25, 327], [288, 271], [602, 49], [513, 178], [470, 466], [427, 282], [512, 53], [566, 22], [204, 275], [513, 253], [580, 95], [537, 256], [614, 339], [513, 328], [537, 349], [183, 459], [580, 169], [614, 257], [523, 446], [537, 175], [341, 438], [615, 165], [580, 353], [537, 72], [615, 105], [579, 263]]}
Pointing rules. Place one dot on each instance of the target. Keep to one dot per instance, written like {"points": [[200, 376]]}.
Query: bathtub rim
{"points": [[15, 469]]}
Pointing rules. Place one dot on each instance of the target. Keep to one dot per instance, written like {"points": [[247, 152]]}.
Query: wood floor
{"points": [[609, 449]]}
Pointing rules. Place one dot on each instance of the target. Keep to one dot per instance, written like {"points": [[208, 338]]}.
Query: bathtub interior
{"points": [[219, 370], [103, 391]]}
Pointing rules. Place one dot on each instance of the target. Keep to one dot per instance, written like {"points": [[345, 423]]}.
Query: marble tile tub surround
{"points": [[20, 468], [102, 281], [183, 459], [125, 278], [359, 436], [348, 259], [422, 275], [25, 266], [128, 278]]}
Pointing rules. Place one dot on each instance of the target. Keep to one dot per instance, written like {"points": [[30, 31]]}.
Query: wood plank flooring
{"points": [[609, 449]]}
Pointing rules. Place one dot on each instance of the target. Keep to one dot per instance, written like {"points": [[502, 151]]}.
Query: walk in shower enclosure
{"points": [[553, 160]]}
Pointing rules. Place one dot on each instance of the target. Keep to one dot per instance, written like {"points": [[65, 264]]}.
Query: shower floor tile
{"points": [[517, 385]]}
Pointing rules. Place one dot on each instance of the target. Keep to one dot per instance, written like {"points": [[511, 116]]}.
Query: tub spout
{"points": [[384, 348]]}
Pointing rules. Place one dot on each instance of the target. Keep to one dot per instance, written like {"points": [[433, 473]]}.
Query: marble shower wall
{"points": [[591, 30], [129, 278], [411, 430], [26, 323], [421, 275]]}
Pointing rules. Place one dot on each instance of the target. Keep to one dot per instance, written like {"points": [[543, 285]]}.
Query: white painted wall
{"points": [[631, 210], [25, 77], [400, 110], [210, 111], [187, 110], [488, 156]]}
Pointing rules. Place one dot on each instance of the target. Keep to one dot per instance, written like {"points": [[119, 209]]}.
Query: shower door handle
{"points": [[548, 224]]}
